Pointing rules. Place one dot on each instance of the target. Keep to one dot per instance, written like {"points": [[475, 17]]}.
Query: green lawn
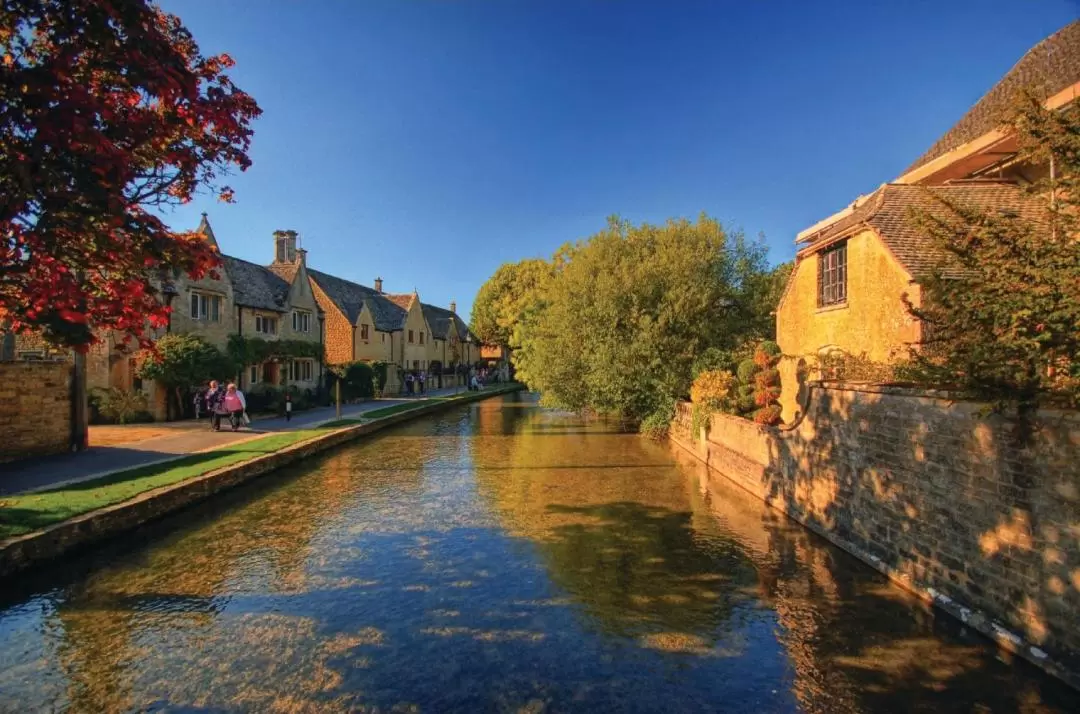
{"points": [[24, 513]]}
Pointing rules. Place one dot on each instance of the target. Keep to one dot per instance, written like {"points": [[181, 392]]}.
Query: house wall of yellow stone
{"points": [[415, 354], [215, 332], [874, 322], [376, 346]]}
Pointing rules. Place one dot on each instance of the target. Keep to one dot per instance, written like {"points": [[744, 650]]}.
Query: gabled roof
{"points": [[1048, 67], [438, 319], [352, 297], [256, 286], [889, 212], [207, 232], [285, 271], [402, 300]]}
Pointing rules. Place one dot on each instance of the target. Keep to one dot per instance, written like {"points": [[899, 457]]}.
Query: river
{"points": [[499, 557]]}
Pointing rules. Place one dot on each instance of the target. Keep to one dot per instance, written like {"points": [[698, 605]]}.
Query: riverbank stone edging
{"points": [[929, 492], [22, 552]]}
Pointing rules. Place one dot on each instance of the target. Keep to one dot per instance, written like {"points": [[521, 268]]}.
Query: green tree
{"points": [[625, 313], [1002, 308], [182, 362], [506, 297]]}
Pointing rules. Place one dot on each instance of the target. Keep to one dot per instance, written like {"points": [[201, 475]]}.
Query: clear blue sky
{"points": [[430, 141]]}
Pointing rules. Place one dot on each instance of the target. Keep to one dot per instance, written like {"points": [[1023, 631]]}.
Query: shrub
{"points": [[746, 371], [766, 384], [655, 426], [357, 380], [120, 406], [712, 391]]}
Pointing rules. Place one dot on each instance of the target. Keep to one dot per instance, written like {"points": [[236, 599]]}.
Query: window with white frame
{"points": [[301, 370], [205, 307], [266, 325], [301, 321]]}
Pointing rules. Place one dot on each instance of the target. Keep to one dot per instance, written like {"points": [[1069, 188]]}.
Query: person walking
{"points": [[215, 404], [423, 380], [235, 404], [409, 383]]}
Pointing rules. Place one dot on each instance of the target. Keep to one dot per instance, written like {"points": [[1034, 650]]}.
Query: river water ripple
{"points": [[500, 557]]}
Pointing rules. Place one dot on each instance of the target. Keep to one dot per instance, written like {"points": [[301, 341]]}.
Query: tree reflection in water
{"points": [[498, 557]]}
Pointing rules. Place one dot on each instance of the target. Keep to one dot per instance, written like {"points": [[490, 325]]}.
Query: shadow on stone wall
{"points": [[936, 493]]}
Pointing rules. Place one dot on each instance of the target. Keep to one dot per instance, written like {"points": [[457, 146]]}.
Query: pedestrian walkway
{"points": [[97, 461]]}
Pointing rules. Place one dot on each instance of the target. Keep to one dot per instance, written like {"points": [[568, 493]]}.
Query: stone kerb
{"points": [[22, 552]]}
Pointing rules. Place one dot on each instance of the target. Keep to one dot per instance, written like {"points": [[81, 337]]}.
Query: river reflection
{"points": [[499, 557]]}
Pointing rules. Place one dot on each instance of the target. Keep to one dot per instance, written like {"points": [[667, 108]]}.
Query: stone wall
{"points": [[36, 416], [951, 503]]}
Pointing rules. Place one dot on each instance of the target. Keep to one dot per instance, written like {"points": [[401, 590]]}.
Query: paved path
{"points": [[51, 471]]}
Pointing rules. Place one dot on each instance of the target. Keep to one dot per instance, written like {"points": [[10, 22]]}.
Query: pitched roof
{"points": [[402, 300], [256, 286], [352, 297], [1048, 67], [889, 212], [286, 271], [439, 319]]}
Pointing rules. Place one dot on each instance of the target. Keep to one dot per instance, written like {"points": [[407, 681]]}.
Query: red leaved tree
{"points": [[108, 111]]}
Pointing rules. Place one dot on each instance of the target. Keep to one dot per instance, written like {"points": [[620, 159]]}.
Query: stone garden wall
{"points": [[35, 409], [950, 502]]}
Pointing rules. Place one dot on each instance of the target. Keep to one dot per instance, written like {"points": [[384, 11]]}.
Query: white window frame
{"points": [[205, 307], [262, 322], [301, 321]]}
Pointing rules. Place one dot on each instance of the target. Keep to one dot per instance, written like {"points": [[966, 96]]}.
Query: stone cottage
{"points": [[854, 269]]}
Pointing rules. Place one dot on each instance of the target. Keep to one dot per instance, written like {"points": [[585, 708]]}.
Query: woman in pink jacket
{"points": [[235, 404]]}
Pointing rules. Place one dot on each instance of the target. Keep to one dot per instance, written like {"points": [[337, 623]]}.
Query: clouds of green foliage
{"points": [[619, 320]]}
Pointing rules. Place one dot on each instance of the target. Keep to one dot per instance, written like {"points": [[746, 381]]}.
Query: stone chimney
{"points": [[301, 256], [378, 285], [453, 306], [284, 246]]}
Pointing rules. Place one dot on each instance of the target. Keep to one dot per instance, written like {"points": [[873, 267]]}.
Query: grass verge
{"points": [[22, 513]]}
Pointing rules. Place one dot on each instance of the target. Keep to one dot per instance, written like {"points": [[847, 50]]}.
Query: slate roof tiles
{"points": [[256, 286]]}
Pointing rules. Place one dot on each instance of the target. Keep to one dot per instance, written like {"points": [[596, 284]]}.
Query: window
{"points": [[266, 325], [301, 321], [832, 275], [364, 332], [410, 337], [421, 337], [253, 375], [384, 337], [205, 307], [133, 371], [300, 370]]}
